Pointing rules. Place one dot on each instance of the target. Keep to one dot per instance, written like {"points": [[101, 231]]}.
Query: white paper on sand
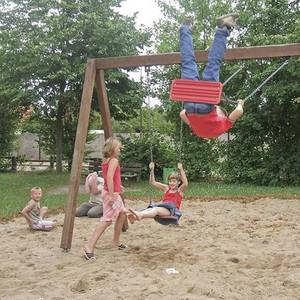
{"points": [[171, 271]]}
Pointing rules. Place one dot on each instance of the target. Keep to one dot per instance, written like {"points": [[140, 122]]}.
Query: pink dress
{"points": [[111, 211]]}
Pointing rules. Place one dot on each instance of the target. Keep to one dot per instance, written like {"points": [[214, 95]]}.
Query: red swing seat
{"points": [[196, 91]]}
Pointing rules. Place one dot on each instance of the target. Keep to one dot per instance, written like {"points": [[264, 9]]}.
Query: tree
{"points": [[12, 114], [45, 45], [8, 125], [266, 147]]}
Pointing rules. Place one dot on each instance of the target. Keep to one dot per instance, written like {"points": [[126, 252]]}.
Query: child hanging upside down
{"points": [[207, 120], [172, 198]]}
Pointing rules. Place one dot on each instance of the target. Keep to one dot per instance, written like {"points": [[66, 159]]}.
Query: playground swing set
{"points": [[200, 91], [94, 76]]}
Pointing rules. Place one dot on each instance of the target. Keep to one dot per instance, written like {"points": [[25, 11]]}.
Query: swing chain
{"points": [[150, 127], [181, 137], [233, 75], [265, 81], [225, 98]]}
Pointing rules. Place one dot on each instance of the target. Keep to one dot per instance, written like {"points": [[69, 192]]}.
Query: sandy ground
{"points": [[221, 250]]}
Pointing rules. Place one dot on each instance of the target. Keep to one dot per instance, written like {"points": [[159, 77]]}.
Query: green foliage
{"points": [[266, 147], [154, 118], [199, 157], [137, 148], [8, 125], [44, 49], [13, 108]]}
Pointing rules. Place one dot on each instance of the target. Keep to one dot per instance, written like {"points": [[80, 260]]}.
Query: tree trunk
{"points": [[59, 136], [51, 162]]}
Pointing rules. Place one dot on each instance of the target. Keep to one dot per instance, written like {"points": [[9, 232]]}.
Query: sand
{"points": [[221, 250]]}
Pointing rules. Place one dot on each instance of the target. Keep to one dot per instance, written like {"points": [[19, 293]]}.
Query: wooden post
{"points": [[106, 119], [103, 103], [81, 135]]}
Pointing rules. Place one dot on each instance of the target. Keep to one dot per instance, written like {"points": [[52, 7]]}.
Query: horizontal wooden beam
{"points": [[255, 52]]}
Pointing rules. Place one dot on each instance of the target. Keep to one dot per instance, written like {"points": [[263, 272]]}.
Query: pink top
{"points": [[209, 125], [116, 178], [175, 198]]}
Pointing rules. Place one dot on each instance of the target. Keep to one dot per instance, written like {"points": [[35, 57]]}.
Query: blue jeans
{"points": [[189, 69]]}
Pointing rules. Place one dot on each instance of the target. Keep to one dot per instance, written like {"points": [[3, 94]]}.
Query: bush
{"points": [[137, 148], [200, 157]]}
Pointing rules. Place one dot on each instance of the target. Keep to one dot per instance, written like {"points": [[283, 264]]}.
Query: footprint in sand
{"points": [[30, 265], [234, 260], [60, 266], [201, 213], [81, 286], [134, 249], [101, 277], [290, 284], [191, 222]]}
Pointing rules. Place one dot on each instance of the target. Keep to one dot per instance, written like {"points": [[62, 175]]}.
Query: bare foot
{"points": [[132, 218], [136, 214]]}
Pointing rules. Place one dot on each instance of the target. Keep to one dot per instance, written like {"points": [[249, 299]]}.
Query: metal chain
{"points": [[150, 127], [224, 97], [265, 81], [181, 136], [233, 75]]}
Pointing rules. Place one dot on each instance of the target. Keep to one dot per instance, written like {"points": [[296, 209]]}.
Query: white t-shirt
{"points": [[97, 198]]}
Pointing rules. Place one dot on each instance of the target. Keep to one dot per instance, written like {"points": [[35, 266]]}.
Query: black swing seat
{"points": [[168, 220], [196, 91]]}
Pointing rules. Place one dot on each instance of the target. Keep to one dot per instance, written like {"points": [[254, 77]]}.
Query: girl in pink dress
{"points": [[113, 207]]}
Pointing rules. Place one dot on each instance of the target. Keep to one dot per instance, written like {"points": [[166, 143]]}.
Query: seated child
{"points": [[172, 198], [206, 120], [34, 214], [94, 208]]}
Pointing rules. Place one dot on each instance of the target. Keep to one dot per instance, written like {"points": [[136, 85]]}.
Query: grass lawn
{"points": [[15, 191], [203, 189]]}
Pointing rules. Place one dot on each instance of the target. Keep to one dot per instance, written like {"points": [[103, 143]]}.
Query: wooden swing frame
{"points": [[94, 76]]}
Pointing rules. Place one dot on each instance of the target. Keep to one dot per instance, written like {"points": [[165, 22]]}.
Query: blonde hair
{"points": [[175, 175], [109, 147], [35, 188]]}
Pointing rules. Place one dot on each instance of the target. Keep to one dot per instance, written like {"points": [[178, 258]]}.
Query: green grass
{"points": [[202, 189], [15, 191]]}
